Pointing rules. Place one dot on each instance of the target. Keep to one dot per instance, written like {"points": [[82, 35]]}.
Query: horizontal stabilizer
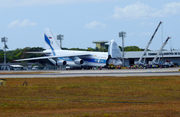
{"points": [[113, 50]]}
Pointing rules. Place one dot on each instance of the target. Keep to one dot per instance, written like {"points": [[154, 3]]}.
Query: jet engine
{"points": [[58, 62], [61, 62], [78, 61]]}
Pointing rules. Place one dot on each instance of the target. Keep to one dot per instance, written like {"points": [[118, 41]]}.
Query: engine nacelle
{"points": [[61, 62], [78, 61], [112, 61], [58, 62]]}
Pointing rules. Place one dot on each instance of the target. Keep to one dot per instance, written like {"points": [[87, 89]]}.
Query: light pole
{"points": [[122, 34], [60, 37], [4, 40]]}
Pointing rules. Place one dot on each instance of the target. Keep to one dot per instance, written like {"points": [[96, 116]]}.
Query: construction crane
{"points": [[153, 61], [140, 59]]}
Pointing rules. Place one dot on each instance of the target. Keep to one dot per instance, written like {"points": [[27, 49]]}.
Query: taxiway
{"points": [[81, 73]]}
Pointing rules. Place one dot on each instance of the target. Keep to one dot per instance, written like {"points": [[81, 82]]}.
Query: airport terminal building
{"points": [[132, 56]]}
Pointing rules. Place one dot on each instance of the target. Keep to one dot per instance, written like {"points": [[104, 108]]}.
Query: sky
{"points": [[83, 21]]}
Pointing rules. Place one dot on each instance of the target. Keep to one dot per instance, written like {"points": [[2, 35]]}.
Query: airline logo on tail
{"points": [[49, 43]]}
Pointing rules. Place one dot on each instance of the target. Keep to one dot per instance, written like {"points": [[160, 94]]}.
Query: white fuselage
{"points": [[90, 58]]}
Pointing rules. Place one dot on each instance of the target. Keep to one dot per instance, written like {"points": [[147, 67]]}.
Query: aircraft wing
{"points": [[36, 58], [38, 52], [50, 57]]}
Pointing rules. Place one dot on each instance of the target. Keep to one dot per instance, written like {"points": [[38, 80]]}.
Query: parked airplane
{"points": [[58, 56]]}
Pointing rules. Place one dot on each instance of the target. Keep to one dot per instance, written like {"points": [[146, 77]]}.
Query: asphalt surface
{"points": [[104, 72]]}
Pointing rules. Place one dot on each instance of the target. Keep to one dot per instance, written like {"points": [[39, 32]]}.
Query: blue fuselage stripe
{"points": [[92, 60]]}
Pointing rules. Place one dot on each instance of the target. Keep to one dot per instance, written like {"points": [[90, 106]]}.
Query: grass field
{"points": [[91, 97]]}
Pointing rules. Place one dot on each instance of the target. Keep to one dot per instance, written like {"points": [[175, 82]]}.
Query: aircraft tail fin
{"points": [[51, 43], [113, 50]]}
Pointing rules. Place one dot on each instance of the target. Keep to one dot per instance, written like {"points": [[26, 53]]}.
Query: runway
{"points": [[104, 72]]}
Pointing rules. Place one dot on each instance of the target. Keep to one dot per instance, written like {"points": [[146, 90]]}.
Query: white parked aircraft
{"points": [[58, 56]]}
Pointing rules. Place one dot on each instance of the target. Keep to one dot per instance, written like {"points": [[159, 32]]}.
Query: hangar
{"points": [[132, 56]]}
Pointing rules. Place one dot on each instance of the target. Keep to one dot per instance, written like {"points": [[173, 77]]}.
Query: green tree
{"points": [[19, 54]]}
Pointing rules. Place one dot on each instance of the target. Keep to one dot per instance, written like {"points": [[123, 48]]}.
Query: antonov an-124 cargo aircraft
{"points": [[59, 57]]}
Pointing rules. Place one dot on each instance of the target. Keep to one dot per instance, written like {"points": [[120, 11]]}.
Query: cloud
{"points": [[169, 9], [95, 24], [25, 23], [14, 23], [17, 3], [143, 11], [133, 11]]}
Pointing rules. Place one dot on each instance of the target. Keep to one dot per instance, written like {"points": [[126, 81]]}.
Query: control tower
{"points": [[100, 44]]}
